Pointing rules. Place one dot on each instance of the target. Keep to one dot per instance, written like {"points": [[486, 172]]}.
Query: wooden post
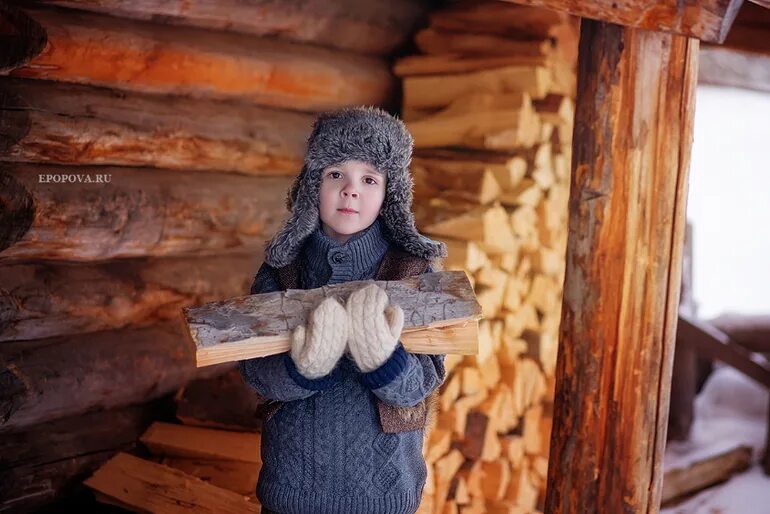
{"points": [[632, 138]]}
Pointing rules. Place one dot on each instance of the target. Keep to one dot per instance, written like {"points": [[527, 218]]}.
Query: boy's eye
{"points": [[370, 181], [335, 174]]}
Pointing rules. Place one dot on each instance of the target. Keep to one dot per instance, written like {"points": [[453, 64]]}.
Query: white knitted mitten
{"points": [[375, 327], [317, 346]]}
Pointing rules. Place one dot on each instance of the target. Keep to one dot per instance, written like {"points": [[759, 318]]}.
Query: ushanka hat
{"points": [[367, 134]]}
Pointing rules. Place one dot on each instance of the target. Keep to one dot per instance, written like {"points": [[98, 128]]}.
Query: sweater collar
{"points": [[351, 260]]}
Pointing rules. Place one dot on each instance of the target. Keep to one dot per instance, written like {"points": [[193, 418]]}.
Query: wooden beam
{"points": [[140, 212], [708, 341], [707, 20], [440, 313], [631, 151], [751, 331], [732, 67], [87, 297], [105, 51], [374, 27], [81, 125]]}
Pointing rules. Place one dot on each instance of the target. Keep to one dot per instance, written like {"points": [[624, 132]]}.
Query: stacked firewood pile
{"points": [[489, 102]]}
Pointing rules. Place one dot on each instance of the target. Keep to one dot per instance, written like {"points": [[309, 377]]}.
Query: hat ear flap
{"points": [[291, 196]]}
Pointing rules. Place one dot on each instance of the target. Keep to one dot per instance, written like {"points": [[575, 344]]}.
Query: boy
{"points": [[344, 431]]}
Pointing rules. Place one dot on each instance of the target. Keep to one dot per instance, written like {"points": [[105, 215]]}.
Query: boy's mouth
{"points": [[347, 211]]}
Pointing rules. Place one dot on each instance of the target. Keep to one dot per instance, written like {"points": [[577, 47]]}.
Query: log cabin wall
{"points": [[198, 114]]}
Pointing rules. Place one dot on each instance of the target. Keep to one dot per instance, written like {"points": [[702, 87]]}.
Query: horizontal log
{"points": [[54, 299], [123, 54], [140, 212], [440, 313], [704, 473], [142, 485], [49, 461], [21, 37], [73, 124], [64, 376], [374, 27], [707, 20]]}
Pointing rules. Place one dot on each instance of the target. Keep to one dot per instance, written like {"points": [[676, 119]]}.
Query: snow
{"points": [[731, 410]]}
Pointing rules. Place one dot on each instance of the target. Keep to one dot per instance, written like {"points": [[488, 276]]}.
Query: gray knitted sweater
{"points": [[324, 451]]}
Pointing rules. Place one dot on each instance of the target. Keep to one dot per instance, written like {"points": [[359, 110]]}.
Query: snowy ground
{"points": [[731, 410]]}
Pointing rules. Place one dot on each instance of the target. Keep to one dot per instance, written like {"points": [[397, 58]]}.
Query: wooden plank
{"points": [[710, 342], [48, 461], [88, 297], [626, 228], [171, 440], [73, 124], [239, 477], [140, 212], [21, 37], [707, 20], [704, 473], [375, 27], [440, 312], [433, 41], [147, 486], [123, 54], [50, 378], [734, 68]]}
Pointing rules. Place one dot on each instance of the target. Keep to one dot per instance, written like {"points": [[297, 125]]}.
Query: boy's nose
{"points": [[352, 194]]}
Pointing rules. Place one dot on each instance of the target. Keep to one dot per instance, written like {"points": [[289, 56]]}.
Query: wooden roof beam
{"points": [[707, 20]]}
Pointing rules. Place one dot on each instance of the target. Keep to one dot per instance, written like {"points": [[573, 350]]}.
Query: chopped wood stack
{"points": [[489, 102], [211, 461]]}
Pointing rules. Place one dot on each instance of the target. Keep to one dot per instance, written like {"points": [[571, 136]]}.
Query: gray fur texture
{"points": [[367, 134]]}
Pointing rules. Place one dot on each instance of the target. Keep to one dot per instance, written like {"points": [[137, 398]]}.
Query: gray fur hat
{"points": [[367, 134]]}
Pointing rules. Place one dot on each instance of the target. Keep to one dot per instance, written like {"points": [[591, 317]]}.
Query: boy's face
{"points": [[351, 195]]}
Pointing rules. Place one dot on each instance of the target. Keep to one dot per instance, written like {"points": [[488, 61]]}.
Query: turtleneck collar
{"points": [[330, 261]]}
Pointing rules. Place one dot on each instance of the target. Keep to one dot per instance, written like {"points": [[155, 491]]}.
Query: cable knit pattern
{"points": [[317, 348], [323, 450], [375, 326]]}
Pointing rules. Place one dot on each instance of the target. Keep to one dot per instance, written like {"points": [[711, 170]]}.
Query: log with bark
{"points": [[51, 378], [81, 125], [440, 313], [375, 27], [135, 56], [47, 299], [139, 212]]}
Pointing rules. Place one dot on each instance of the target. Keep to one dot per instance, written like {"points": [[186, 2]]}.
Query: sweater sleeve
{"points": [[276, 377], [405, 379]]}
